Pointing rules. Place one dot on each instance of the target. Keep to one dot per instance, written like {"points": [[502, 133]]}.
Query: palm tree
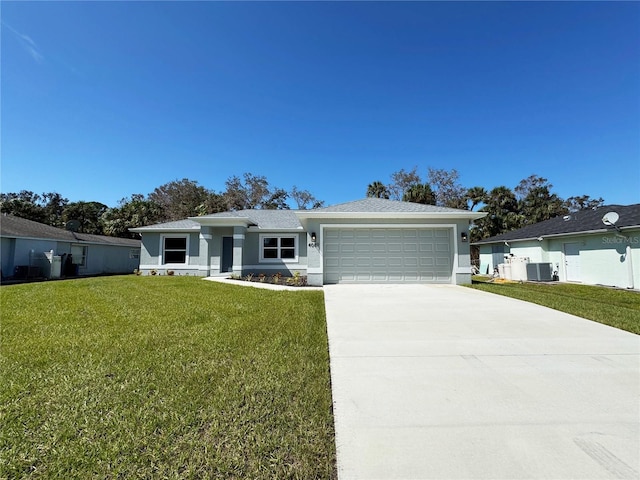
{"points": [[377, 190], [476, 195], [420, 193]]}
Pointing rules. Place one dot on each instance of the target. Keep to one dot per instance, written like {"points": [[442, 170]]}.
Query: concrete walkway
{"points": [[447, 382]]}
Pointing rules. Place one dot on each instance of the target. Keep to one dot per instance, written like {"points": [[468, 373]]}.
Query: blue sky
{"points": [[101, 100]]}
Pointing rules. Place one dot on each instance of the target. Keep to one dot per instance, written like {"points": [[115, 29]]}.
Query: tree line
{"points": [[172, 201], [531, 201]]}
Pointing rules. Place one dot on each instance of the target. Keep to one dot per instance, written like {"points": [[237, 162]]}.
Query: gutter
{"points": [[399, 215], [553, 235], [164, 230]]}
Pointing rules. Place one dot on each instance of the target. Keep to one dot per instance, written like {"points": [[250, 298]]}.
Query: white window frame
{"points": [[83, 256], [162, 250], [279, 236]]}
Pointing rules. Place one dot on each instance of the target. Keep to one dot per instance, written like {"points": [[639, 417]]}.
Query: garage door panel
{"points": [[332, 262], [389, 255], [394, 247], [379, 248], [442, 262], [411, 262], [442, 248], [362, 248], [379, 262]]}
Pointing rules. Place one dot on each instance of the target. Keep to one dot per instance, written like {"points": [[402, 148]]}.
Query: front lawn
{"points": [[163, 377], [617, 308]]}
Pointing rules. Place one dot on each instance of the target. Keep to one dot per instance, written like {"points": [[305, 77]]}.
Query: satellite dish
{"points": [[610, 218], [73, 225]]}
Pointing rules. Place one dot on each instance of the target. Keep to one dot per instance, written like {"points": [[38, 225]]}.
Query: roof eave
{"points": [[555, 235], [257, 228], [164, 230], [306, 214]]}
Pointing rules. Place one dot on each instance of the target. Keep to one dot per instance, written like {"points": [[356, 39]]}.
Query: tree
{"points": [[420, 193], [304, 199], [277, 200], [503, 214], [583, 202], [475, 195], [88, 214], [179, 199], [531, 182], [540, 204], [377, 190], [54, 206], [214, 203], [46, 208], [130, 213], [536, 202], [401, 181], [449, 192], [253, 191]]}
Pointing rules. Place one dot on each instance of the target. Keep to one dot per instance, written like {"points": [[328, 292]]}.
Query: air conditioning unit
{"points": [[540, 272]]}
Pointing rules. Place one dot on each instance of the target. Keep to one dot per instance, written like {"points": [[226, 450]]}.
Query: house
{"points": [[369, 241], [29, 249], [595, 247]]}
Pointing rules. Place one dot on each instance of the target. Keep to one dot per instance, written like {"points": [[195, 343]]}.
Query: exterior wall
{"points": [[7, 253], [205, 253], [533, 249], [215, 248], [100, 259], [603, 257], [461, 257], [151, 255], [463, 272], [108, 259], [486, 260], [252, 263]]}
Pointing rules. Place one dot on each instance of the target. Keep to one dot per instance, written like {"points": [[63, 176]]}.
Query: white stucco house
{"points": [[579, 246], [365, 241]]}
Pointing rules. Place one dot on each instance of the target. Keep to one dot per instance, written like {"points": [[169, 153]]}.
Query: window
{"points": [[174, 250], [134, 253], [79, 255], [273, 248]]}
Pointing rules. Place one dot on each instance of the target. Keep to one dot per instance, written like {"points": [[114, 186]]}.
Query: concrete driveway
{"points": [[448, 382]]}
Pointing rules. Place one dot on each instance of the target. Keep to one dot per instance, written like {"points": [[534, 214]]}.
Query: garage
{"points": [[387, 255]]}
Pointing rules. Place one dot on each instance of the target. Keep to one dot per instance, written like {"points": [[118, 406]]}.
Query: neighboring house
{"points": [[369, 241], [25, 245], [580, 246]]}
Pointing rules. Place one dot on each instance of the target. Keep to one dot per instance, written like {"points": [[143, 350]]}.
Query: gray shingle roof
{"points": [[380, 205], [16, 227], [289, 219], [582, 221], [175, 225], [267, 219]]}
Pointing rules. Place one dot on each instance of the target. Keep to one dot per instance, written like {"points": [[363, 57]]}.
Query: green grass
{"points": [[163, 377], [617, 308]]}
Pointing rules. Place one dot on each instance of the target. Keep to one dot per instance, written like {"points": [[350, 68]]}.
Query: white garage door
{"points": [[387, 255]]}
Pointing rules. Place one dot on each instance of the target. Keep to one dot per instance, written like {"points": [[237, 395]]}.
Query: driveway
{"points": [[448, 382]]}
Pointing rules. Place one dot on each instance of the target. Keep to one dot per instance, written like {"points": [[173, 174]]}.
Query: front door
{"points": [[226, 263], [572, 262]]}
